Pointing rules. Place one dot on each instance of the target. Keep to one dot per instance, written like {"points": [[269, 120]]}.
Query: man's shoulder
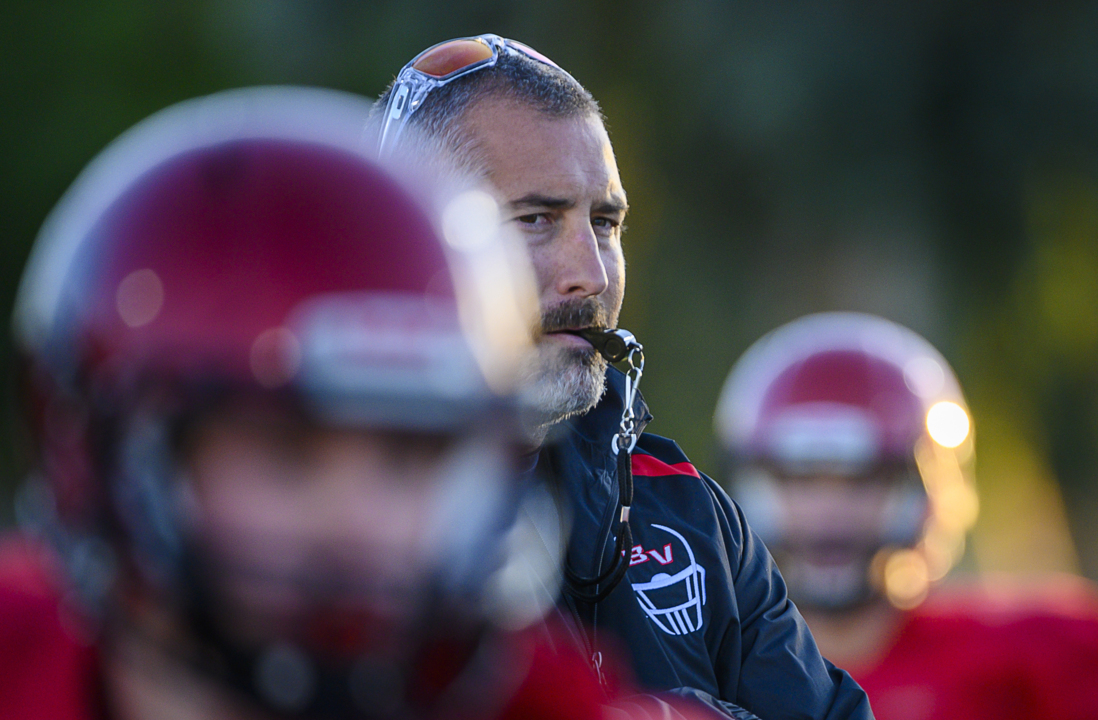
{"points": [[46, 659], [30, 582], [656, 456], [1002, 607], [1005, 622], [672, 483], [1020, 643]]}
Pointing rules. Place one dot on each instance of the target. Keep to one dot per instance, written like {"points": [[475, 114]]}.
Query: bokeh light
{"points": [[139, 297], [907, 578], [947, 422]]}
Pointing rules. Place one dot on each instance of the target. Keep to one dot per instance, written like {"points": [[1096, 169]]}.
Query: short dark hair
{"points": [[514, 76]]}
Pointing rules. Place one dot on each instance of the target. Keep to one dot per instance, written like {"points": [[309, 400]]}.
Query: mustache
{"points": [[571, 315]]}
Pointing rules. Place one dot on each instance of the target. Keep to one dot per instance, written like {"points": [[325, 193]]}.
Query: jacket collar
{"points": [[601, 423]]}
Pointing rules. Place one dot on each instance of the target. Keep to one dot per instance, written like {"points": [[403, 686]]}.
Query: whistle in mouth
{"points": [[614, 345]]}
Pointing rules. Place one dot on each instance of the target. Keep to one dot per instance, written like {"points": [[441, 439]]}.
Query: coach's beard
{"points": [[567, 381]]}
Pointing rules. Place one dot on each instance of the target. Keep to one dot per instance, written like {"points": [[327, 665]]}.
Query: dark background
{"points": [[932, 162]]}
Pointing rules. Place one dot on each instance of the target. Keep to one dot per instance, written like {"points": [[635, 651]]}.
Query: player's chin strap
{"points": [[616, 346]]}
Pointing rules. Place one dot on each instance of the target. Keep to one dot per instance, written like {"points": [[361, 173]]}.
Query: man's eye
{"points": [[533, 219], [605, 224]]}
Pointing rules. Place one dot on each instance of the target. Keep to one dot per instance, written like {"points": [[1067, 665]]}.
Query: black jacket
{"points": [[702, 609]]}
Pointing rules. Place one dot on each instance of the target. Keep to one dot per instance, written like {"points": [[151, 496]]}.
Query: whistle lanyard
{"points": [[615, 346]]}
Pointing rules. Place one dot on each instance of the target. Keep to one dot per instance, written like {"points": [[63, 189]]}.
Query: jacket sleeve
{"points": [[781, 671], [720, 708]]}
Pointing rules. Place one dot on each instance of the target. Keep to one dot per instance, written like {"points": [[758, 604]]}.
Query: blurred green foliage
{"points": [[932, 162]]}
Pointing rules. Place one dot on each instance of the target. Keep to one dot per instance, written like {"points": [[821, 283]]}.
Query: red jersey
{"points": [[982, 653], [49, 668]]}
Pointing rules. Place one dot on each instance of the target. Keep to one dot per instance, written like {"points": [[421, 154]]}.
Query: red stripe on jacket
{"points": [[648, 466]]}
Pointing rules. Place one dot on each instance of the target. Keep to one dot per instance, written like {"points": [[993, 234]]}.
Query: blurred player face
{"points": [[559, 186], [323, 536], [832, 527]]}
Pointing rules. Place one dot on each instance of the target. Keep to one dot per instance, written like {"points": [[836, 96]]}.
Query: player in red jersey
{"points": [[275, 412], [850, 447]]}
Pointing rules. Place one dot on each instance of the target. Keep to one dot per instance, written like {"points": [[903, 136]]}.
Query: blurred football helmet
{"points": [[243, 245], [849, 403]]}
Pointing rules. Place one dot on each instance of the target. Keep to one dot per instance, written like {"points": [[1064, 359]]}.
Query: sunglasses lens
{"points": [[531, 52], [449, 57]]}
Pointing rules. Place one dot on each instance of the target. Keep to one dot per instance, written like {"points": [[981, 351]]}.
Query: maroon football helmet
{"points": [[244, 245], [846, 395]]}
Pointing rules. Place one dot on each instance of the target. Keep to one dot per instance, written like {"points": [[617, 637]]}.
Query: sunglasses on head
{"points": [[438, 65]]}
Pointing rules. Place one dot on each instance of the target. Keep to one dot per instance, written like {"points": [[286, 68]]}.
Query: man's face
{"points": [[559, 187], [314, 533], [834, 525]]}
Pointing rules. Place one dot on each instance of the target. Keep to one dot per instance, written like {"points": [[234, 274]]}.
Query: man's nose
{"points": [[581, 270]]}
